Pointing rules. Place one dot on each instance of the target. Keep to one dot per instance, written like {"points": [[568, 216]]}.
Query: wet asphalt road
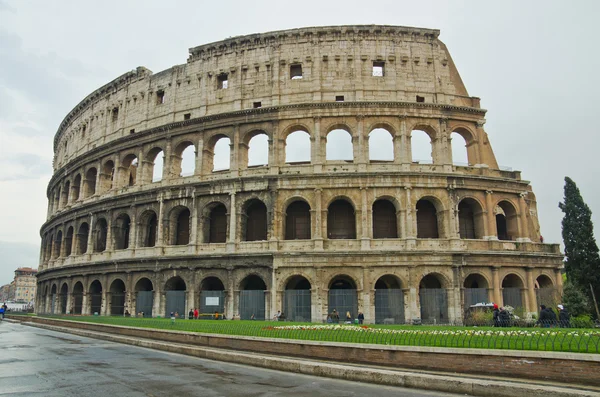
{"points": [[36, 362]]}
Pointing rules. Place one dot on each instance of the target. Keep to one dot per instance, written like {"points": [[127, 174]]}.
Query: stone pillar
{"points": [[157, 301], [496, 285], [234, 152], [366, 231], [69, 303], [232, 222], [317, 146], [168, 171], [318, 224], [160, 241], [194, 234], [455, 307], [413, 305], [361, 153], [523, 229], [85, 304], [132, 243], [229, 310], [410, 211], [491, 218], [531, 305], [198, 167], [368, 292], [110, 246]]}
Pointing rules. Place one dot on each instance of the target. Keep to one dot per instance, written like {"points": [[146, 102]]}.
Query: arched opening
{"points": [[64, 296], [78, 298], [221, 159], [427, 220], [53, 300], [255, 228], [128, 170], [65, 195], [252, 298], [57, 196], [156, 157], [58, 244], [121, 229], [144, 297], [506, 221], [82, 238], [175, 290], [341, 220], [89, 185], [149, 229], [184, 159], [212, 297], [107, 176], [69, 241], [297, 221], [475, 290], [470, 219], [389, 300], [433, 299], [297, 300], [342, 299], [258, 150], [95, 297], [545, 292], [339, 146], [512, 291], [76, 187], [384, 219], [421, 147], [297, 148], [101, 232], [381, 145], [459, 150], [117, 298], [217, 224], [181, 222], [50, 246]]}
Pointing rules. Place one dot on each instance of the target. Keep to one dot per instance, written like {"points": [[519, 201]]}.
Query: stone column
{"points": [[318, 224], [69, 302], [491, 219], [523, 229], [194, 234], [198, 168], [366, 231], [531, 307], [110, 246], [132, 243], [455, 308], [160, 241], [410, 213], [413, 305], [361, 153], [368, 292], [168, 171], [496, 285], [317, 146], [232, 223], [157, 301], [229, 306], [85, 304], [234, 152]]}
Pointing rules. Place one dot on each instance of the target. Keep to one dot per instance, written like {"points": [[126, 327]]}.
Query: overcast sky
{"points": [[534, 64]]}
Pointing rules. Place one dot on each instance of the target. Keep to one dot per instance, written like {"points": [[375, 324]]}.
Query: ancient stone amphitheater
{"points": [[157, 206]]}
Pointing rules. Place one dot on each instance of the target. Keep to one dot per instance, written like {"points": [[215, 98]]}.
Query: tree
{"points": [[582, 262]]}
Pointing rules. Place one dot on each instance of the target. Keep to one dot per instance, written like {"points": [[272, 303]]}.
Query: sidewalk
{"points": [[443, 382]]}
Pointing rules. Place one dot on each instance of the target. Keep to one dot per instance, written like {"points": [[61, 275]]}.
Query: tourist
{"points": [[504, 317], [2, 311], [281, 317], [276, 316], [191, 314], [348, 318], [329, 320], [196, 314], [252, 317], [361, 317], [564, 318], [216, 316], [496, 315], [176, 314], [547, 317], [335, 317]]}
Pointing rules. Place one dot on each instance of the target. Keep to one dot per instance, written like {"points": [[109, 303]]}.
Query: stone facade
{"points": [[392, 238], [25, 285]]}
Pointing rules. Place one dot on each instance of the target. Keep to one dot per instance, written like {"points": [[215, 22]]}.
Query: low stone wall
{"points": [[571, 368]]}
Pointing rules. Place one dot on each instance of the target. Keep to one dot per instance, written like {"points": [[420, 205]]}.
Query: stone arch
{"points": [[512, 290], [471, 219], [121, 227], [128, 170], [433, 298], [297, 300], [339, 143], [342, 297], [82, 238], [156, 163], [95, 294], [255, 149], [381, 144], [143, 297], [117, 297], [89, 184], [76, 187], [212, 283], [384, 219], [254, 220], [175, 296], [215, 225], [100, 234], [430, 223], [180, 224], [546, 292], [148, 228], [184, 158], [507, 222], [69, 241], [468, 137], [63, 298], [341, 219], [65, 198], [218, 153], [297, 219], [298, 147], [389, 300], [77, 297], [476, 289], [58, 244], [252, 297], [422, 138], [107, 176]]}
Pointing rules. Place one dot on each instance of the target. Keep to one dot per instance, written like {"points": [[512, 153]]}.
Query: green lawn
{"points": [[548, 339]]}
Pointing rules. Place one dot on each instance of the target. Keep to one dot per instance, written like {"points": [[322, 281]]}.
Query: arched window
{"points": [[256, 221], [506, 221], [121, 232], [108, 171], [69, 241], [218, 224], [258, 150], [156, 156], [101, 230], [470, 219], [64, 201], [389, 300], [77, 188], [459, 150], [222, 154], [381, 145], [384, 219], [90, 182], [58, 244], [341, 222], [182, 229], [421, 147], [297, 221], [427, 222], [339, 146], [297, 147], [184, 159], [82, 238], [57, 199], [149, 229], [128, 170]]}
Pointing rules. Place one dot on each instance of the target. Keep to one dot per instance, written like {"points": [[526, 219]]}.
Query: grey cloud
{"points": [[16, 255]]}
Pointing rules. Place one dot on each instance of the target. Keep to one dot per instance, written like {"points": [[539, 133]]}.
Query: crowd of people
{"points": [[547, 317]]}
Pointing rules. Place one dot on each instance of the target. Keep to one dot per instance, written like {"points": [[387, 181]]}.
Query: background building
{"points": [[25, 285]]}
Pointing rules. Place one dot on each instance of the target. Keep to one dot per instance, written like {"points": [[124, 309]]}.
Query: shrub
{"points": [[582, 321]]}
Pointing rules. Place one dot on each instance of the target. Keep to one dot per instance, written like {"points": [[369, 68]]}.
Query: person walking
{"points": [[564, 318], [361, 317], [196, 314], [496, 315], [547, 317], [191, 314]]}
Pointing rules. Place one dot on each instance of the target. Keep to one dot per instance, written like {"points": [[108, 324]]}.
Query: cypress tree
{"points": [[582, 262]]}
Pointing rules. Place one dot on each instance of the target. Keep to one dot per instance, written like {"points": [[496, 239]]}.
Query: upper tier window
{"points": [[222, 82], [296, 71], [378, 69]]}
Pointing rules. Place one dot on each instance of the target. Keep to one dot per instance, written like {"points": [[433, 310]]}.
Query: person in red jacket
{"points": [[196, 314]]}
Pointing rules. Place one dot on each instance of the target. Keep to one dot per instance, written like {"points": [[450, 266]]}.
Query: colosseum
{"points": [[160, 200]]}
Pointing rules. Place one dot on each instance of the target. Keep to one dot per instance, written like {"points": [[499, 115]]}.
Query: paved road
{"points": [[36, 362]]}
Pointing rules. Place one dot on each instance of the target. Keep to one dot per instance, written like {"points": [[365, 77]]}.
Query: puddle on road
{"points": [[72, 341]]}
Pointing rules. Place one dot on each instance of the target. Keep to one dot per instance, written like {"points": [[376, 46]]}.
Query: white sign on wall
{"points": [[212, 301]]}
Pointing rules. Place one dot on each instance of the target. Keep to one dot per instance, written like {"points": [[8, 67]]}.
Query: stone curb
{"points": [[441, 383]]}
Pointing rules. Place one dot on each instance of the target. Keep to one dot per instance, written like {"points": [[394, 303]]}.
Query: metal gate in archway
{"points": [[96, 303], [434, 306], [211, 302], [117, 304], [512, 297], [389, 306], [474, 295], [297, 305], [175, 303], [63, 303], [548, 296], [144, 302], [252, 302], [77, 303], [343, 301], [53, 304]]}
